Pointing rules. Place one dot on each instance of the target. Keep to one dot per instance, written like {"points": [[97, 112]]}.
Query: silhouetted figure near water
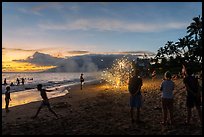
{"points": [[45, 101], [81, 80], [23, 80], [7, 98], [134, 87], [18, 81], [5, 83], [11, 84]]}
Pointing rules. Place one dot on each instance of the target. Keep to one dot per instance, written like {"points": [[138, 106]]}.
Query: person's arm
{"points": [[9, 97], [161, 86], [188, 89]]}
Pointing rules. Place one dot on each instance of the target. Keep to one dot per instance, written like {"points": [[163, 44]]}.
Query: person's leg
{"points": [[188, 115], [48, 105], [164, 111], [138, 114], [37, 111], [199, 113], [171, 111], [132, 114], [198, 107], [164, 115], [189, 105], [7, 104]]}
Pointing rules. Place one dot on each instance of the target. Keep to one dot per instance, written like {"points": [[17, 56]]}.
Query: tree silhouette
{"points": [[187, 49], [195, 28]]}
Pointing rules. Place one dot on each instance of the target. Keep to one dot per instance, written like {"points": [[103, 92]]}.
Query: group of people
{"points": [[45, 100], [167, 87], [17, 82], [193, 98]]}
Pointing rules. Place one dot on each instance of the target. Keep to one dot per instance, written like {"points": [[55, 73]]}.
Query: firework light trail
{"points": [[118, 74]]}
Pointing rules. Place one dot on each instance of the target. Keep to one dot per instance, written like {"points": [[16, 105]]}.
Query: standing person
{"points": [[193, 97], [23, 80], [134, 88], [45, 101], [167, 87], [18, 81], [5, 83], [7, 98], [81, 80]]}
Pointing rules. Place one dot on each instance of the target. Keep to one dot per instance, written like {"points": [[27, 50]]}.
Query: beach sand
{"points": [[99, 109]]}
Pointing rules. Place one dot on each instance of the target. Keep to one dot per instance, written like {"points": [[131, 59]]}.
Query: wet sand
{"points": [[99, 109]]}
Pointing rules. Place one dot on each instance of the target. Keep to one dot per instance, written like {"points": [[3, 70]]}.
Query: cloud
{"points": [[37, 10], [18, 49], [114, 25], [77, 52]]}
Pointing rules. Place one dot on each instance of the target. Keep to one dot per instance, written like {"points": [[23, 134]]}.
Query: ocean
{"points": [[22, 94], [47, 79]]}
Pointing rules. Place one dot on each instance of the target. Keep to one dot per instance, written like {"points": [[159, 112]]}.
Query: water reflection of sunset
{"points": [[12, 66], [8, 65]]}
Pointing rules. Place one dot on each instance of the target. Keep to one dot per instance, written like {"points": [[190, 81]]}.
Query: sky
{"points": [[95, 27], [74, 28]]}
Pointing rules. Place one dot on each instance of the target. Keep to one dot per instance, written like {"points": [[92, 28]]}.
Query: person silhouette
{"points": [[134, 88], [167, 87], [81, 80], [45, 101], [23, 80], [5, 83], [18, 81], [193, 97], [7, 98]]}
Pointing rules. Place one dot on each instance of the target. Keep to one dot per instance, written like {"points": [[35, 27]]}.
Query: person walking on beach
{"points": [[81, 80], [193, 97], [7, 98], [134, 88], [18, 81], [23, 80], [167, 87], [45, 101]]}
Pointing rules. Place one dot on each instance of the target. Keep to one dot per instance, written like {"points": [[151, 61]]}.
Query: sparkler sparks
{"points": [[120, 72]]}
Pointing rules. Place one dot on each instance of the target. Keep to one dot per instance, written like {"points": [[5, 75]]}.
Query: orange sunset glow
{"points": [[12, 66], [9, 65]]}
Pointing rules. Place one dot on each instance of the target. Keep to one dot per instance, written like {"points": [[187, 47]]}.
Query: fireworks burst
{"points": [[118, 75]]}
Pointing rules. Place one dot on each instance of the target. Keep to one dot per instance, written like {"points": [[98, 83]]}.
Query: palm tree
{"points": [[195, 27]]}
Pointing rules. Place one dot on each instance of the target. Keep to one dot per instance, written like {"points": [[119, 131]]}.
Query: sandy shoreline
{"points": [[99, 110]]}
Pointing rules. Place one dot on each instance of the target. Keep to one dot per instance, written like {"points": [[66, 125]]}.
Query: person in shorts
{"points": [[167, 87], [134, 88]]}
